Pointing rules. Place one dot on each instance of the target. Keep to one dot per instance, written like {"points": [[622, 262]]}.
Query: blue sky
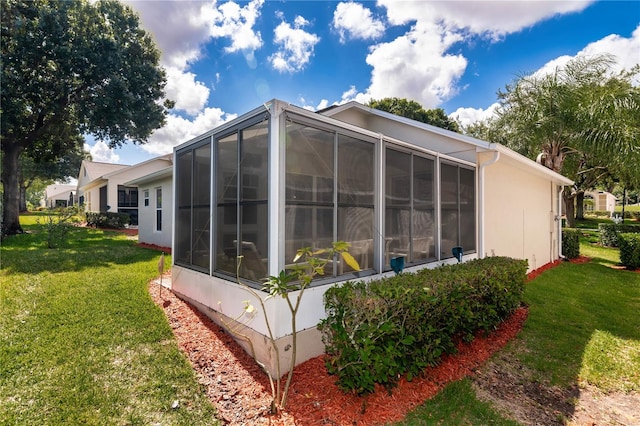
{"points": [[225, 58]]}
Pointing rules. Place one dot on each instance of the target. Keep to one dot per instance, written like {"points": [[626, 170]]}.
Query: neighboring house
{"points": [[602, 201], [59, 195], [155, 207], [280, 177], [101, 186]]}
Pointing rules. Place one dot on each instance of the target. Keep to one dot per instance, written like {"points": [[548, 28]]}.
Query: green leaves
{"points": [[69, 68], [376, 331]]}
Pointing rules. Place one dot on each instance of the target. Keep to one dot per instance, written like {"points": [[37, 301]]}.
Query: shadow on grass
{"points": [[572, 307], [82, 248]]}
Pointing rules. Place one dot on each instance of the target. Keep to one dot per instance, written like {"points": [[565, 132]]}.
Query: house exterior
{"points": [[101, 186], [155, 207], [280, 177], [59, 195], [602, 201]]}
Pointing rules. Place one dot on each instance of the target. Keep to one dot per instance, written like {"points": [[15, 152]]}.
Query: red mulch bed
{"points": [[240, 389], [580, 260], [166, 250]]}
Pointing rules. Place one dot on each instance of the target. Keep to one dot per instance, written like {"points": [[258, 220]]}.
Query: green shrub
{"points": [[609, 232], [56, 228], [108, 220], [570, 243], [379, 330], [629, 250]]}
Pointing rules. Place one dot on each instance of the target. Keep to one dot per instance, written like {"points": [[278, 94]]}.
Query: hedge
{"points": [[379, 330], [570, 243], [629, 250], [108, 220], [609, 232]]}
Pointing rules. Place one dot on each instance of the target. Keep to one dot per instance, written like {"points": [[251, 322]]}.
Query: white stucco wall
{"points": [[520, 209], [147, 232]]}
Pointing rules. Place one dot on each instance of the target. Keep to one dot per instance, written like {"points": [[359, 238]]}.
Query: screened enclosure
{"points": [[253, 192]]}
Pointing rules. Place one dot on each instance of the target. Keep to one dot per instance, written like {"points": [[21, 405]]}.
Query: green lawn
{"points": [[582, 328], [81, 341], [632, 208]]}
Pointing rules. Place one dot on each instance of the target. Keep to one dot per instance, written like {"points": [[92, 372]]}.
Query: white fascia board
{"points": [[557, 178], [160, 174], [94, 183], [166, 157]]}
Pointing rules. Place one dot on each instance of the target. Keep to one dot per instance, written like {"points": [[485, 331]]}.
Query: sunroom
{"points": [[280, 178]]}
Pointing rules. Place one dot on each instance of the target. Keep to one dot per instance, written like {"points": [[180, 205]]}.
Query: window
{"points": [[127, 196], [146, 197], [158, 208], [193, 195], [329, 194], [242, 211], [457, 209], [409, 207]]}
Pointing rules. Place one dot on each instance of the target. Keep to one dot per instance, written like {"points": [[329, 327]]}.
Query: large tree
{"points": [[579, 120], [36, 169], [413, 110], [71, 68]]}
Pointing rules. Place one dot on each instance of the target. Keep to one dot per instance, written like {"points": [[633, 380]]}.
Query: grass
{"points": [[628, 208], [81, 341], [582, 328], [456, 405]]}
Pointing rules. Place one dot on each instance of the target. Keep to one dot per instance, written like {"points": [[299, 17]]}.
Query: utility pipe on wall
{"points": [[481, 202], [559, 216]]}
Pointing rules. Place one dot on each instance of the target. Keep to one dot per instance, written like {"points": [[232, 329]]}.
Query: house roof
{"points": [[97, 169], [54, 190], [151, 177], [166, 157], [328, 115], [480, 145], [100, 172]]}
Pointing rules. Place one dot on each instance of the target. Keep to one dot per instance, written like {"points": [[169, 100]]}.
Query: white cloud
{"points": [[491, 18], [189, 95], [235, 22], [355, 21], [625, 50], [322, 105], [295, 46], [179, 28], [468, 116], [420, 64], [179, 130], [101, 152], [417, 66]]}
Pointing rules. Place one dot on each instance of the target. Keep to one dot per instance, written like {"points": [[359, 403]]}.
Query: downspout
{"points": [[559, 220], [481, 207]]}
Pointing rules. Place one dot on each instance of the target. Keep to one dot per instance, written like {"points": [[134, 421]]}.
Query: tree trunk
{"points": [[569, 208], [580, 205], [23, 199], [11, 196]]}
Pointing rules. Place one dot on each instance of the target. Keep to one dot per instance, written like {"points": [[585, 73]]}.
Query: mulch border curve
{"points": [[314, 397]]}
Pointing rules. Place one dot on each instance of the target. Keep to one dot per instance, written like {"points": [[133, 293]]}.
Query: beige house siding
{"points": [[520, 211]]}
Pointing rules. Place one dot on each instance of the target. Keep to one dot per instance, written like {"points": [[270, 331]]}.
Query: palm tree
{"points": [[580, 111]]}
